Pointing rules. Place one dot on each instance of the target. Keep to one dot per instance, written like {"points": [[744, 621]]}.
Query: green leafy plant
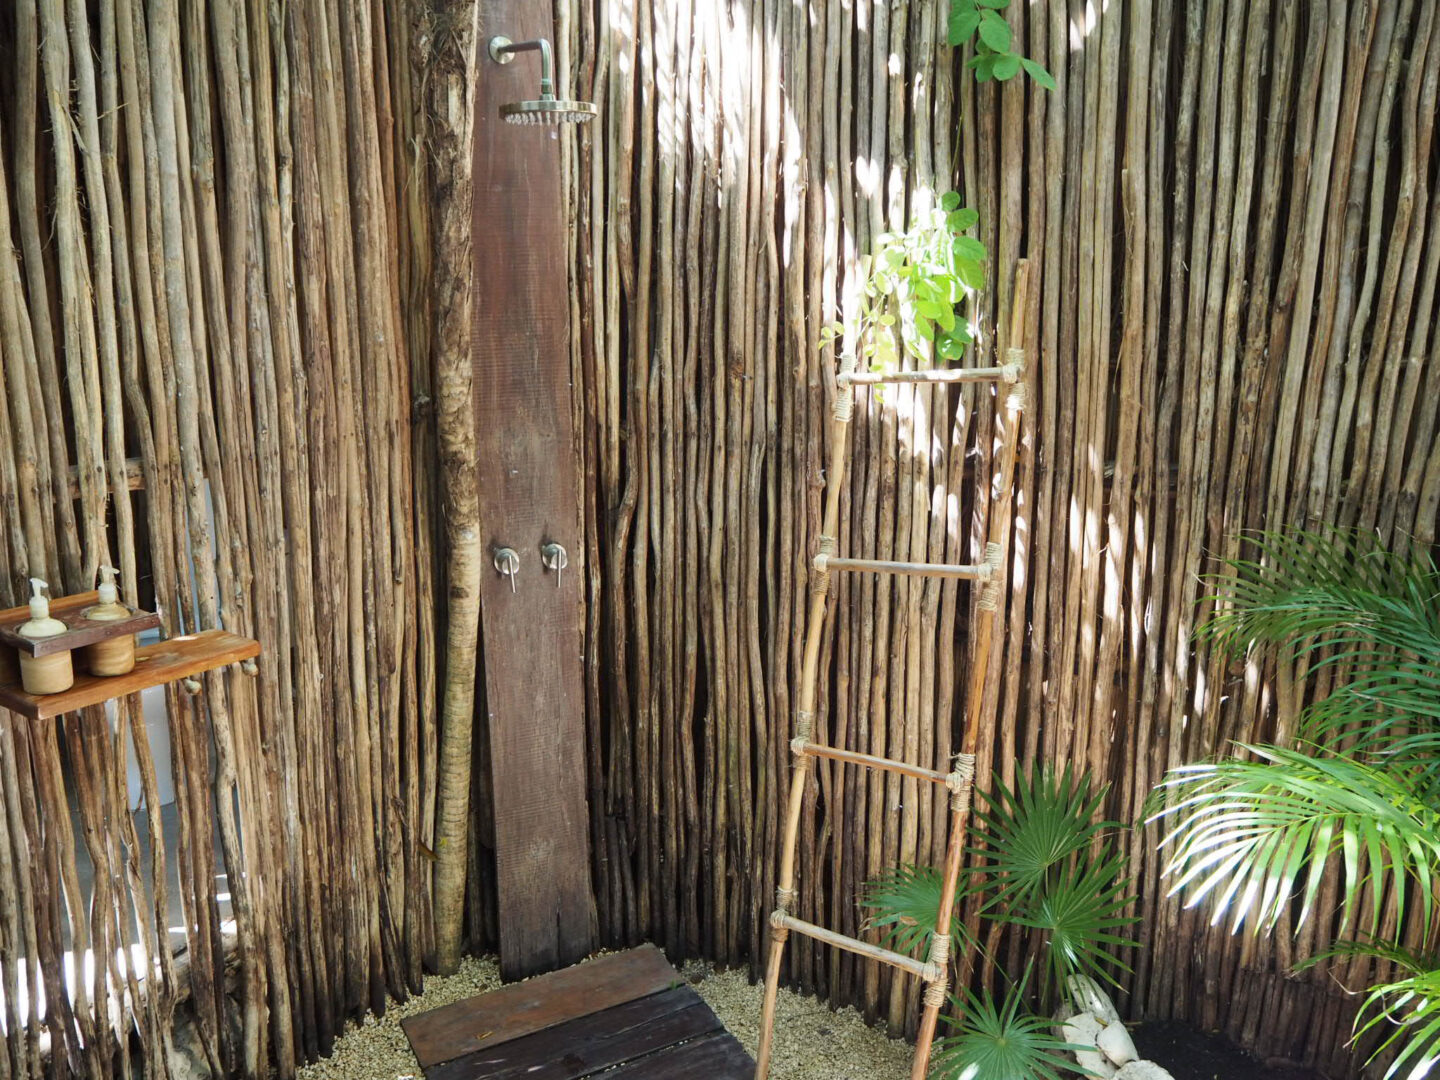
{"points": [[1255, 835], [1000, 1040], [1046, 867], [994, 56], [910, 288]]}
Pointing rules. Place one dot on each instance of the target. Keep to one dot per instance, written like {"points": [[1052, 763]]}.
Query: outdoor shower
{"points": [[548, 109]]}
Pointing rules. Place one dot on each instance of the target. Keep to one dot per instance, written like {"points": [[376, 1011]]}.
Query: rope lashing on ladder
{"points": [[937, 969], [1016, 399], [820, 567], [990, 595], [844, 404], [804, 726], [1013, 369], [960, 780]]}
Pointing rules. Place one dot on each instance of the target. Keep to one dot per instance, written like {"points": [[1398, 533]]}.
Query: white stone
{"points": [[1083, 1030], [1142, 1070], [1085, 992], [1095, 1064], [1115, 1043]]}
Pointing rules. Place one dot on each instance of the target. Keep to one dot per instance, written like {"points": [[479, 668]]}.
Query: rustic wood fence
{"points": [[215, 290], [211, 221], [1227, 208]]}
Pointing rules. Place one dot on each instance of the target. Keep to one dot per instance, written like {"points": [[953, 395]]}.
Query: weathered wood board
{"points": [[524, 1008], [529, 496], [625, 1015]]}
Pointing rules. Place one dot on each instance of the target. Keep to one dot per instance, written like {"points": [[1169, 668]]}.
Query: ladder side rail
{"points": [[988, 607], [805, 715]]}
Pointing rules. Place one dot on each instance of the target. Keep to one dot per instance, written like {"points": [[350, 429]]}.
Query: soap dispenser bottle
{"points": [[52, 673], [115, 655]]}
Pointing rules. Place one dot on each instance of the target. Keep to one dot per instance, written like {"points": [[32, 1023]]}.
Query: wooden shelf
{"points": [[155, 664]]}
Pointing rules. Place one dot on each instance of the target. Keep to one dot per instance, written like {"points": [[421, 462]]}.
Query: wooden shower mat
{"points": [[628, 1015]]}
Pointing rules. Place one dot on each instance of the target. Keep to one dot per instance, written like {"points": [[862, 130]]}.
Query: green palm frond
{"points": [[1412, 1007], [1248, 832], [1079, 916], [1408, 960], [1000, 1041], [906, 901], [1341, 586], [1338, 599], [1035, 829]]}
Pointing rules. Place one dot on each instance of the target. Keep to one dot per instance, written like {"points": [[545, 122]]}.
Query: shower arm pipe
{"points": [[504, 51]]}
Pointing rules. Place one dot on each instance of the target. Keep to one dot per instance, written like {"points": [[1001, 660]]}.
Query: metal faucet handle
{"points": [[507, 562], [554, 557]]}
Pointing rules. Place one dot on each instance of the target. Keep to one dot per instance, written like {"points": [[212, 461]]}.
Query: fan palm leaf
{"points": [[905, 902], [1000, 1040], [1079, 914], [1037, 827]]}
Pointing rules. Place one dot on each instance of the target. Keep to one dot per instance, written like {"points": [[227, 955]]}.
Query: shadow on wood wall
{"points": [[1228, 211]]}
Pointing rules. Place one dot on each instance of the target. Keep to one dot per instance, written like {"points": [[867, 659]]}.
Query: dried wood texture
{"points": [[202, 326], [1229, 213]]}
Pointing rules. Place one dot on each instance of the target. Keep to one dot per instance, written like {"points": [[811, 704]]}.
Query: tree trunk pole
{"points": [[447, 37]]}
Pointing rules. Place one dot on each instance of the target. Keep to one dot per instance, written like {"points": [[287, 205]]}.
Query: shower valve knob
{"points": [[507, 562], [554, 557]]}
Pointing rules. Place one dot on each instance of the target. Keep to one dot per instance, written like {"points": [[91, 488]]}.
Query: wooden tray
{"points": [[82, 632]]}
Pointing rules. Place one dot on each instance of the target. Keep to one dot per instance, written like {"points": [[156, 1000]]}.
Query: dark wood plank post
{"points": [[529, 497]]}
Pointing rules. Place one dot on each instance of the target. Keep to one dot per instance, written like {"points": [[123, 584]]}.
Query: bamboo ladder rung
{"points": [[927, 970], [1007, 373], [976, 572], [869, 761]]}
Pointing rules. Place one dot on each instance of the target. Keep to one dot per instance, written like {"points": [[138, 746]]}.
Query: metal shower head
{"points": [[548, 109]]}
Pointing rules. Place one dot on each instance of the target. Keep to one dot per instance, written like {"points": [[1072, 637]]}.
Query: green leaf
{"points": [[962, 219], [1038, 73], [950, 200], [995, 31], [906, 902], [981, 64], [964, 20], [1005, 67], [1079, 914], [967, 247], [1000, 1040], [998, 5]]}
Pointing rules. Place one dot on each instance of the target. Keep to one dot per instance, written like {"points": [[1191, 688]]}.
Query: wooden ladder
{"points": [[935, 969]]}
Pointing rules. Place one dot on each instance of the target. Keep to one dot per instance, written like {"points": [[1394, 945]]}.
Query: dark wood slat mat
{"points": [[713, 1057], [588, 1044], [524, 1008], [627, 1015]]}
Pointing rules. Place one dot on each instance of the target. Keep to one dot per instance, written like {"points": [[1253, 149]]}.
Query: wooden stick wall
{"points": [[1227, 205], [215, 290], [213, 278]]}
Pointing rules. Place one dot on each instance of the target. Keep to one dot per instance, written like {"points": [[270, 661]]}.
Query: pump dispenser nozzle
{"points": [[41, 625], [109, 594]]}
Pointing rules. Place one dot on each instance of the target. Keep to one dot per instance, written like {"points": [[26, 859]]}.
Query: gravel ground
{"points": [[813, 1043]]}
